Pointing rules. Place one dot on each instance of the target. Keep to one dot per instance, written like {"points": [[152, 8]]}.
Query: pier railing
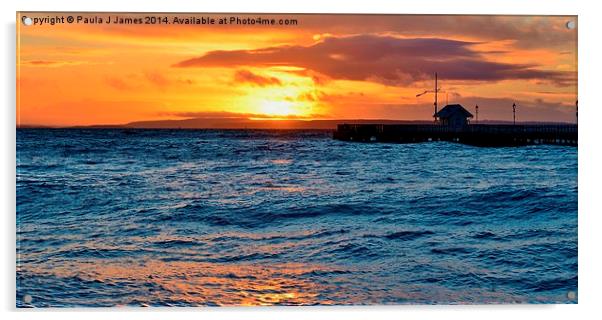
{"points": [[476, 134]]}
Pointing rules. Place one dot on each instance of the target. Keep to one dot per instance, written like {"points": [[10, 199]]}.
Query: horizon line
{"points": [[140, 123]]}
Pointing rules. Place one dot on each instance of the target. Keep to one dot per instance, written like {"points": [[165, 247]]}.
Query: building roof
{"points": [[452, 109]]}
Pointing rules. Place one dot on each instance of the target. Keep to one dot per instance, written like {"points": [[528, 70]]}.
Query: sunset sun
{"points": [[289, 99], [279, 108]]}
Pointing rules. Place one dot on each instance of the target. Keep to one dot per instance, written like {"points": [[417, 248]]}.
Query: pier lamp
{"points": [[514, 113]]}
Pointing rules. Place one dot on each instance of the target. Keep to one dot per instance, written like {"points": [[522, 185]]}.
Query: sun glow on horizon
{"points": [[278, 108], [291, 97]]}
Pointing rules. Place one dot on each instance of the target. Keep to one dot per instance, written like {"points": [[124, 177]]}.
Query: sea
{"points": [[113, 217]]}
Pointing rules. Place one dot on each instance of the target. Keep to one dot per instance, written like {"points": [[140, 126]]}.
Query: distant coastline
{"points": [[243, 123]]}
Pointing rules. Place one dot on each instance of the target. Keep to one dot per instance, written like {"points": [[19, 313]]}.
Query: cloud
{"points": [[383, 59], [51, 63], [525, 31], [140, 80], [245, 76], [117, 83], [157, 79]]}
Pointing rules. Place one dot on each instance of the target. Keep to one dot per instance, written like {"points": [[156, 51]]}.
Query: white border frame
{"points": [[589, 155]]}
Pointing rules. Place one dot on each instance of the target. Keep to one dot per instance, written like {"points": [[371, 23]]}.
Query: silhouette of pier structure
{"points": [[453, 125]]}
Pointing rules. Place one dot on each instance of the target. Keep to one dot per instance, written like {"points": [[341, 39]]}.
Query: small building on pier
{"points": [[454, 115]]}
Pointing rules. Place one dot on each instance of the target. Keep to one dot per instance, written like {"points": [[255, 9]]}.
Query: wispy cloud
{"points": [[118, 83], [246, 76], [139, 80], [51, 63]]}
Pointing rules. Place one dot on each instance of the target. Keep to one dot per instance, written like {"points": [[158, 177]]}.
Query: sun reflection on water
{"points": [[197, 283]]}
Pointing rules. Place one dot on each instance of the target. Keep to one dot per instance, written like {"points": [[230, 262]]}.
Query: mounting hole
{"points": [[570, 25], [27, 21], [571, 295]]}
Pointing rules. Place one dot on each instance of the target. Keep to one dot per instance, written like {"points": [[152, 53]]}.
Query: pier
{"points": [[472, 134], [452, 123]]}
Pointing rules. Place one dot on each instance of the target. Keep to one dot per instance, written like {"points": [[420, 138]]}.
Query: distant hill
{"points": [[241, 123]]}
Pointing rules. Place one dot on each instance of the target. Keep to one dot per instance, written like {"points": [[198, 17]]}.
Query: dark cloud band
{"points": [[384, 59]]}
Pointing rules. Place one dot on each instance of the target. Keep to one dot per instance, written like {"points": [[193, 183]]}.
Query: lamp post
{"points": [[514, 113], [477, 112], [436, 91]]}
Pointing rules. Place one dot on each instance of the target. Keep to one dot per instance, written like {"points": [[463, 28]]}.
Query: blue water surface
{"points": [[250, 217]]}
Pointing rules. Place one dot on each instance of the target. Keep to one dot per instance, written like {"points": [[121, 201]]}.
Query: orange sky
{"points": [[324, 67]]}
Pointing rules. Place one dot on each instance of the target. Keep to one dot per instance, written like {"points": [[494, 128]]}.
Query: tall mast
{"points": [[435, 115]]}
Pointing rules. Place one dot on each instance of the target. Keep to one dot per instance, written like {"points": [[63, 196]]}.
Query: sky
{"points": [[320, 67]]}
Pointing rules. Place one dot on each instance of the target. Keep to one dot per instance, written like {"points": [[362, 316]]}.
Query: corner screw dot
{"points": [[571, 295], [27, 21], [570, 25]]}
